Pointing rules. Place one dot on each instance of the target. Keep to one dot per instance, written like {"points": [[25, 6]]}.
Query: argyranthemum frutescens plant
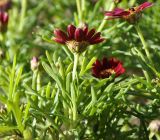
{"points": [[87, 93]]}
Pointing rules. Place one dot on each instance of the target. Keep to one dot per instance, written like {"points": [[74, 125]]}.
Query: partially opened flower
{"points": [[131, 15], [3, 21], [77, 39], [107, 67], [5, 5]]}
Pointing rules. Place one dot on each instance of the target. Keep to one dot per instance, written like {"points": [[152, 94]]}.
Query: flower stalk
{"points": [[23, 13], [76, 57], [101, 26], [145, 47], [79, 10]]}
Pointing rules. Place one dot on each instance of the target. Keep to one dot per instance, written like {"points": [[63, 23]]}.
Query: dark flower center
{"points": [[134, 15], [77, 47], [132, 9], [107, 72]]}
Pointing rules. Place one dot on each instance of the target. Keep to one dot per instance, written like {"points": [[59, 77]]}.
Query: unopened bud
{"points": [[3, 21], [34, 63]]}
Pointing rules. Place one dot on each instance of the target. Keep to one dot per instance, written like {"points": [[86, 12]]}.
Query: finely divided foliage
{"points": [[70, 72]]}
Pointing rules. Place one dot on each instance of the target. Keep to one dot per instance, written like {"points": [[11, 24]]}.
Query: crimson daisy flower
{"points": [[131, 15], [77, 39], [3, 21], [105, 68]]}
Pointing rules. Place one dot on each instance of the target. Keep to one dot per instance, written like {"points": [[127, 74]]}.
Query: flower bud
{"points": [[34, 63], [3, 21]]}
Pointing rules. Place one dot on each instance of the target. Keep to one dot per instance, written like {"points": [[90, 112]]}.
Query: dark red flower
{"points": [[5, 5], [77, 39], [106, 68], [131, 15], [3, 21]]}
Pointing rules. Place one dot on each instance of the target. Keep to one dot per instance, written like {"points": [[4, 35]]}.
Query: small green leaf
{"points": [[68, 81], [48, 90], [69, 68], [61, 69], [89, 66], [52, 74], [4, 129]]}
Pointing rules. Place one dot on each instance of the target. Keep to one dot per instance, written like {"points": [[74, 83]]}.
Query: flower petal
{"points": [[71, 30], [117, 12], [96, 36], [90, 34], [59, 40], [79, 34], [97, 64], [60, 34], [119, 69], [144, 6], [99, 40], [85, 30]]}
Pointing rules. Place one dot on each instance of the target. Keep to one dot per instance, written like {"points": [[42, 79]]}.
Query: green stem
{"points": [[2, 38], [76, 57], [74, 113], [23, 13], [83, 9], [34, 79], [79, 10], [132, 3], [143, 43], [38, 81], [104, 20], [34, 84]]}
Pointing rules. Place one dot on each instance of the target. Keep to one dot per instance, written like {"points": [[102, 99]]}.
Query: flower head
{"points": [[131, 15], [3, 21], [5, 5], [106, 68], [77, 39]]}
